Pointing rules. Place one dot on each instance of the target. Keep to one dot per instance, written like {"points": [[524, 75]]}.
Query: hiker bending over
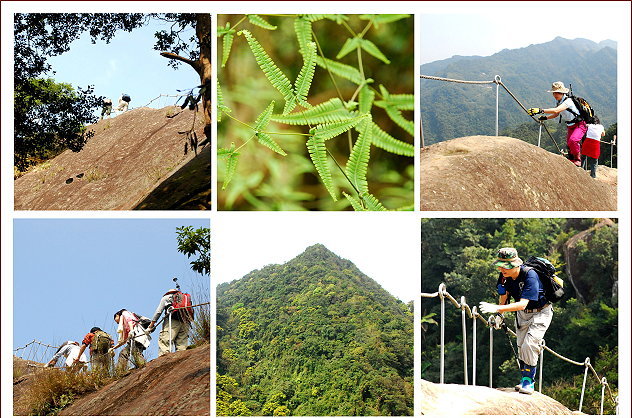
{"points": [[591, 147], [123, 102], [100, 343], [72, 352], [533, 311], [175, 329], [131, 334], [575, 126], [107, 108]]}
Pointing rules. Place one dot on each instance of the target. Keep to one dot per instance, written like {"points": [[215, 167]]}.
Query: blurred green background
{"points": [[265, 180]]}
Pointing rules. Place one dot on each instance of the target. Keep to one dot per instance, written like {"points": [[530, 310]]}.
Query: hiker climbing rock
{"points": [[575, 124], [177, 321], [132, 334], [591, 147], [72, 352], [100, 343], [107, 108], [123, 102], [533, 310]]}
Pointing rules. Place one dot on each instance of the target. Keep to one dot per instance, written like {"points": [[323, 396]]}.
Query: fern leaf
{"points": [[331, 130], [371, 202], [269, 68], [333, 110], [265, 139], [396, 116], [341, 70], [264, 118], [385, 141], [355, 203], [380, 19], [358, 163], [231, 168], [221, 107], [303, 30], [289, 105], [349, 45], [365, 99], [305, 76], [398, 101], [259, 21], [372, 49], [336, 18], [318, 154], [227, 44]]}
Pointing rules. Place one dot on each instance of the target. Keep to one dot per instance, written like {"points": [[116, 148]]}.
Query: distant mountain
{"points": [[314, 336], [451, 110]]}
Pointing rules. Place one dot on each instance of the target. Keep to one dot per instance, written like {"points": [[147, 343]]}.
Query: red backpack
{"points": [[182, 300]]}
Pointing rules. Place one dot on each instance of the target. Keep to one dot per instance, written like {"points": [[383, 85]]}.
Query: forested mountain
{"points": [[460, 252], [314, 336], [451, 110]]}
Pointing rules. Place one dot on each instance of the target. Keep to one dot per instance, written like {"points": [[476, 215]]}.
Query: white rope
{"points": [[429, 77]]}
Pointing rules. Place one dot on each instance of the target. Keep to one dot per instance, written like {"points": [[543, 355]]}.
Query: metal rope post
{"points": [[540, 135], [614, 139], [491, 351], [542, 344], [442, 360], [497, 80], [604, 382], [463, 303], [170, 339], [581, 398], [474, 314]]}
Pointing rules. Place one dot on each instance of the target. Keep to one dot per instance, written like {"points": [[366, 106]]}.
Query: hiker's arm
{"points": [[83, 348], [502, 299], [555, 110], [512, 307]]}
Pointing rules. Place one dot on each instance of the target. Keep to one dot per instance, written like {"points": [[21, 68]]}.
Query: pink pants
{"points": [[574, 135]]}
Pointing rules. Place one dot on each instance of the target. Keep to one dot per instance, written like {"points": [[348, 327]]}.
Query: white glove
{"points": [[488, 307], [111, 351]]}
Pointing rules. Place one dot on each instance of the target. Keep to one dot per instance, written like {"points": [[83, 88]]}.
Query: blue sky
{"points": [[483, 31], [73, 274], [128, 64]]}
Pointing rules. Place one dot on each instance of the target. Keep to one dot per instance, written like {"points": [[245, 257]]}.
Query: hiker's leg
{"points": [[163, 339], [530, 347], [139, 358], [123, 359], [181, 339], [593, 162], [573, 139]]}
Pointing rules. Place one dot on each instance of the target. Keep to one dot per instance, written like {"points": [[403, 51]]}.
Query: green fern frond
{"points": [[355, 203], [380, 19], [372, 49], [265, 139], [259, 21], [341, 70], [385, 141], [318, 154], [398, 101], [227, 44], [396, 116], [331, 130], [358, 163], [271, 71], [290, 104], [223, 30], [336, 18], [333, 110], [264, 118], [221, 107], [371, 202], [231, 168], [407, 208], [350, 45], [303, 30], [305, 76], [365, 99]]}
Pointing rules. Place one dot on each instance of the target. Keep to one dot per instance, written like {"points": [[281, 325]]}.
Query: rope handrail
{"points": [[443, 293], [36, 342], [430, 77]]}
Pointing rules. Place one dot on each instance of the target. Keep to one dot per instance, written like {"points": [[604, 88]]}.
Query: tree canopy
{"points": [[196, 243]]}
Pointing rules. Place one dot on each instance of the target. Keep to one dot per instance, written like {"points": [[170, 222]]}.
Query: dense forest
{"points": [[450, 110], [460, 252], [314, 336]]}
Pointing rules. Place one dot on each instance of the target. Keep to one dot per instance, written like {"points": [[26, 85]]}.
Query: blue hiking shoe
{"points": [[527, 386]]}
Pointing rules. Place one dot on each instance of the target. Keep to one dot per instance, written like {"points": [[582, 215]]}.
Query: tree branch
{"points": [[170, 55]]}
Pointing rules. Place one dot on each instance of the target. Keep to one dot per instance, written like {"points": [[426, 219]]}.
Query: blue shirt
{"points": [[526, 286]]}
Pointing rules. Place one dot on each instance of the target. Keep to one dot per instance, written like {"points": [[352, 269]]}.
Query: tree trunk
{"points": [[204, 67]]}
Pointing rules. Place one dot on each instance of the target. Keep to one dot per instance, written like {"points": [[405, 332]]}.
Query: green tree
{"points": [[196, 243]]}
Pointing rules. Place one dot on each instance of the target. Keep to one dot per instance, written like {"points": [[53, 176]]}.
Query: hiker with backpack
{"points": [[72, 352], [100, 343], [591, 147], [107, 108], [533, 309], [123, 102], [177, 322], [132, 333], [567, 108]]}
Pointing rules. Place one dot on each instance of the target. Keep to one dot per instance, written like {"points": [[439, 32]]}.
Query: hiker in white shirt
{"points": [[70, 350]]}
